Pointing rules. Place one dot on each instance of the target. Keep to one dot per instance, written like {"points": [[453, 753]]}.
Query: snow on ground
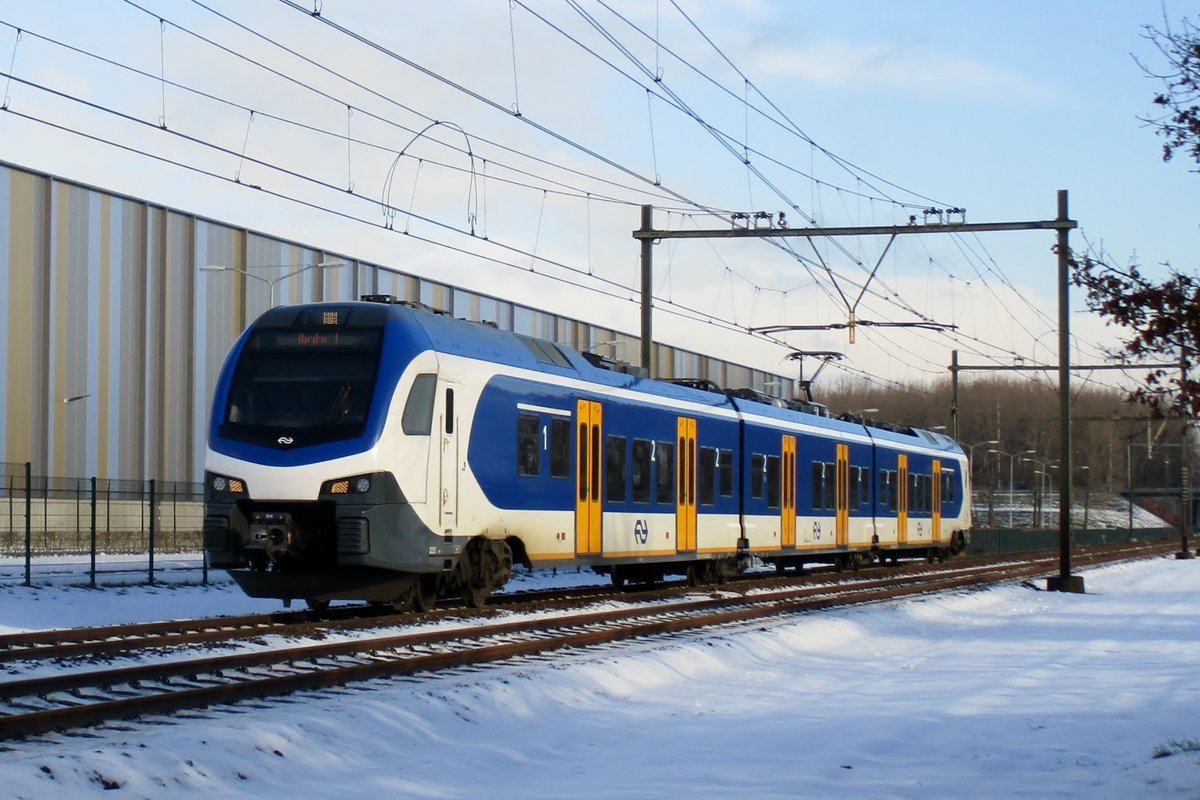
{"points": [[1008, 692]]}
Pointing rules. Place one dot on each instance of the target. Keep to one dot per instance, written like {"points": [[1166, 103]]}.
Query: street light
{"points": [[272, 283], [1087, 492], [1046, 485], [1011, 458], [971, 454]]}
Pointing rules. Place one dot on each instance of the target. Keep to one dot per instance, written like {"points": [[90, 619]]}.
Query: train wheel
{"points": [[780, 568], [485, 564], [617, 576], [695, 574], [425, 593]]}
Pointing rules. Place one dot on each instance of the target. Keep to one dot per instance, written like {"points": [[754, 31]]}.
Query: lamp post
{"points": [[971, 455], [1011, 458], [1087, 492], [272, 282], [1046, 485]]}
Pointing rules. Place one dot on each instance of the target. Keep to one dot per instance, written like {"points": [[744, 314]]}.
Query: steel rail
{"points": [[374, 659]]}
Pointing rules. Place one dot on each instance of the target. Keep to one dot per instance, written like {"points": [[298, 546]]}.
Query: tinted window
{"points": [[641, 471], [773, 481], [818, 484], [708, 468], [725, 470], [829, 487], [310, 384], [529, 457], [614, 474], [560, 448], [664, 459], [756, 475], [418, 409]]}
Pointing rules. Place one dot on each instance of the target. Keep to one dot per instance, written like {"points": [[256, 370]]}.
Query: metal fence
{"points": [[45, 517], [1026, 540]]}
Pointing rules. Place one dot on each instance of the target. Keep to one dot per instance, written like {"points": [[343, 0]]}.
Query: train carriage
{"points": [[378, 451]]}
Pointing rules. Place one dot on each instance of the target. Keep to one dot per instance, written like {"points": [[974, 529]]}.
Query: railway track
{"points": [[77, 698], [113, 640]]}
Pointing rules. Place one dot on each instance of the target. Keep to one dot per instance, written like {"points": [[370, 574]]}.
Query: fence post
{"points": [[92, 581], [28, 522], [152, 515]]}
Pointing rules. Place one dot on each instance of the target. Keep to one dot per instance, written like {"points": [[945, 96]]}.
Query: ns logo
{"points": [[641, 531]]}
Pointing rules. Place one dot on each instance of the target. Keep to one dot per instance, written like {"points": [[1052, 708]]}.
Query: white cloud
{"points": [[837, 63]]}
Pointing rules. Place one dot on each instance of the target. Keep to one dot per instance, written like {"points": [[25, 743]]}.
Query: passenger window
{"points": [[756, 475], [949, 486], [708, 468], [664, 458], [818, 484], [560, 448], [829, 487], [641, 471], [725, 469], [773, 481], [417, 419], [449, 411], [528, 455], [614, 475]]}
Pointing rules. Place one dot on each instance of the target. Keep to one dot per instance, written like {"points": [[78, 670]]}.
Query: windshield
{"points": [[302, 386]]}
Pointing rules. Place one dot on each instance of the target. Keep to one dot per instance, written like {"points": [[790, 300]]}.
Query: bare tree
{"points": [[1163, 316]]}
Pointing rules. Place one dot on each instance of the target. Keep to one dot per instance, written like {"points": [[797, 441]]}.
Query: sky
{"points": [[999, 693], [507, 147]]}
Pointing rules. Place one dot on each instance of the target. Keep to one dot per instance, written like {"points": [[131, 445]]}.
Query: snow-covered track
{"points": [[36, 705]]}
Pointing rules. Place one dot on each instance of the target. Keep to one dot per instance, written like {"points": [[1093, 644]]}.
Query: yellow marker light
{"points": [[340, 487]]}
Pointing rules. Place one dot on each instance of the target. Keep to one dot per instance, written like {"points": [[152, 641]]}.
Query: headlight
{"points": [[225, 485], [360, 484]]}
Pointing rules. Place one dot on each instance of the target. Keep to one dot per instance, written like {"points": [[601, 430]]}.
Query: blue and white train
{"points": [[382, 452]]}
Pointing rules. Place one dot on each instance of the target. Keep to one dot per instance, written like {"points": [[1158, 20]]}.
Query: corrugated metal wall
{"points": [[113, 335]]}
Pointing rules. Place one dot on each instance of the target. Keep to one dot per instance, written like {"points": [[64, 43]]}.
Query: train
{"points": [[380, 451]]}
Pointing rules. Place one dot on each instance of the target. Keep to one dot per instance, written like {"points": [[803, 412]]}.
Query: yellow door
{"points": [[685, 502], [937, 501], [787, 494], [587, 477], [902, 501], [843, 495]]}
